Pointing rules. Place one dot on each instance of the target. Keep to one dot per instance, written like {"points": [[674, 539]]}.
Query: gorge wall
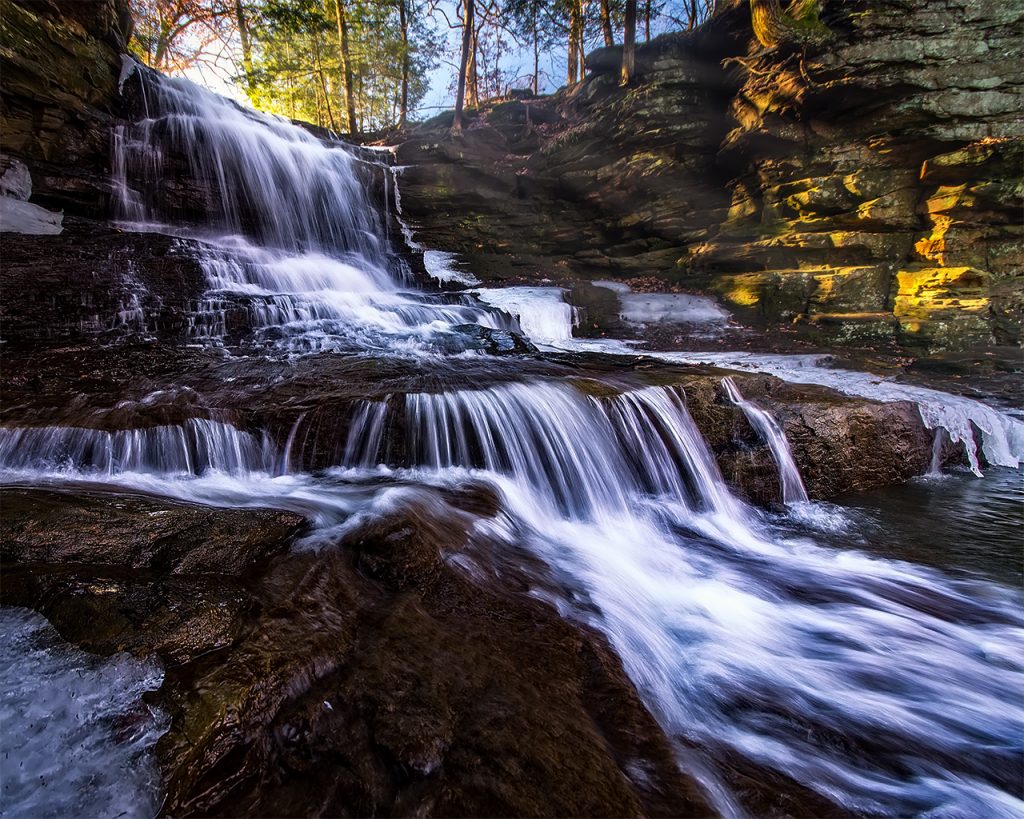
{"points": [[866, 188]]}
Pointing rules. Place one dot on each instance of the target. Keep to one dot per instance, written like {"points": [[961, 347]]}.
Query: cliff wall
{"points": [[866, 187]]}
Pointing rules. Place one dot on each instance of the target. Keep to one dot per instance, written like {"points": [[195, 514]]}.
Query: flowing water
{"points": [[793, 490], [794, 648]]}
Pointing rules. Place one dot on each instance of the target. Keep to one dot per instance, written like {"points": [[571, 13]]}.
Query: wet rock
{"points": [[379, 679], [105, 610], [97, 283], [125, 572], [494, 342], [135, 532], [840, 441]]}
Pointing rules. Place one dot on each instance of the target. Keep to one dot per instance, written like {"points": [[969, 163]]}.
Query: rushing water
{"points": [[292, 239], [76, 733], [790, 649]]}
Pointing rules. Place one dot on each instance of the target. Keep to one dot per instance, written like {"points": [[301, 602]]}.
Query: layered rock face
{"points": [[61, 63], [867, 187]]}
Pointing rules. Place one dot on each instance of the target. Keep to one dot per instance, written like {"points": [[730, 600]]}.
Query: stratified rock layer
{"points": [[867, 188]]}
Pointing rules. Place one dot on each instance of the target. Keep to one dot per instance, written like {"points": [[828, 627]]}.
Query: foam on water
{"points": [[77, 738], [542, 312], [677, 308]]}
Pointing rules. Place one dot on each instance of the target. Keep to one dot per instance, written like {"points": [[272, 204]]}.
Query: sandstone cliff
{"points": [[867, 187]]}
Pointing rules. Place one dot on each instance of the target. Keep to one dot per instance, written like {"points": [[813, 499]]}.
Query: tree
{"points": [[574, 67], [173, 35], [468, 25], [406, 61], [246, 43], [629, 45], [346, 65], [606, 22], [542, 25]]}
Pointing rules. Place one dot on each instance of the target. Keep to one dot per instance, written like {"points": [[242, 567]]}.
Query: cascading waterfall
{"points": [[191, 448], [744, 645], [793, 490], [292, 244], [888, 688]]}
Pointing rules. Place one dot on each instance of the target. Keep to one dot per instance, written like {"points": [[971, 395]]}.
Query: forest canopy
{"points": [[360, 66]]}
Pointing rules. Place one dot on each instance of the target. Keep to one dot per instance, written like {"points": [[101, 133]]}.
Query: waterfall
{"points": [[789, 476], [743, 644], [885, 687], [366, 434], [582, 456], [1002, 434], [257, 175], [192, 448], [294, 250]]}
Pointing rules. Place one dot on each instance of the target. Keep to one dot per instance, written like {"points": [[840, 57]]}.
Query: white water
{"points": [[76, 737], [294, 244], [793, 490], [543, 314]]}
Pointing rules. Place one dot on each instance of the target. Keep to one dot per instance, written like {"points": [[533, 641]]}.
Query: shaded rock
{"points": [[61, 63], [92, 282], [135, 532], [402, 688]]}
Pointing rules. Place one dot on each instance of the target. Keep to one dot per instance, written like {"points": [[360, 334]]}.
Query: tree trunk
{"points": [[580, 47], [766, 17], [243, 35], [575, 41], [467, 44], [536, 58], [346, 66], [606, 23], [403, 19], [629, 45], [472, 81], [647, 21], [321, 75]]}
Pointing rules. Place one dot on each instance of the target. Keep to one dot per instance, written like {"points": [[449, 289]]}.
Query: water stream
{"points": [[759, 643]]}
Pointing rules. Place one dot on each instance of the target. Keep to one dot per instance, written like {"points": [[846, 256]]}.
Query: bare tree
{"points": [[606, 22]]}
